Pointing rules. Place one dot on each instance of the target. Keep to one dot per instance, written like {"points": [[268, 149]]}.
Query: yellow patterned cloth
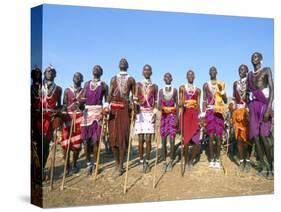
{"points": [[219, 104]]}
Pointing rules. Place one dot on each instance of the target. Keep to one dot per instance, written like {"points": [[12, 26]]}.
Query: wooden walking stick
{"points": [[67, 151], [53, 158], [227, 141], [157, 138], [227, 149], [49, 160], [182, 145], [129, 149], [98, 156], [74, 122]]}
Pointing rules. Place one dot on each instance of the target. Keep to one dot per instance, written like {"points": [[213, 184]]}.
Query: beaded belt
{"points": [[169, 109], [117, 105], [190, 103]]}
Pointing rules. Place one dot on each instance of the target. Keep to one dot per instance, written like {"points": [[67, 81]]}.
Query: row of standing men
{"points": [[84, 109]]}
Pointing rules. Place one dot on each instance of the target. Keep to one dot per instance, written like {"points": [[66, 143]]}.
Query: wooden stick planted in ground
{"points": [[129, 149], [98, 155], [67, 152]]}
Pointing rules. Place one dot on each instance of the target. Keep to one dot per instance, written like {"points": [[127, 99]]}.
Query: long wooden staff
{"points": [[227, 149], [182, 144], [53, 159], [98, 156], [157, 138], [223, 166], [74, 122], [129, 149], [67, 151], [227, 140]]}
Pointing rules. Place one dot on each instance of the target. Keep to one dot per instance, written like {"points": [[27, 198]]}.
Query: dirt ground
{"points": [[200, 182]]}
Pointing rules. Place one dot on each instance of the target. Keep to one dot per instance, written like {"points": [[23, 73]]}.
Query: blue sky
{"points": [[77, 38]]}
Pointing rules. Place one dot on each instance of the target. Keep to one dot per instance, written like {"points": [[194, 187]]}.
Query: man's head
{"points": [[123, 64], [77, 78], [97, 71], [256, 58], [231, 106], [213, 72], [147, 71], [36, 75], [50, 73], [190, 76], [243, 71], [168, 78]]}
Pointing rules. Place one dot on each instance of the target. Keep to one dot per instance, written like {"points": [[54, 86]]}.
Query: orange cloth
{"points": [[240, 123], [191, 103], [169, 109]]}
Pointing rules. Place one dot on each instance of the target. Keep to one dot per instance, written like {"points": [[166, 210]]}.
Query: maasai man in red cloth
{"points": [[36, 127], [189, 100], [168, 104], [214, 98], [261, 93], [121, 86], [51, 105], [72, 110], [240, 118], [94, 92], [144, 127], [36, 110]]}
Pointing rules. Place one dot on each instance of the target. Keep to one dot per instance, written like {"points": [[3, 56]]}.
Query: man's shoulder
{"points": [[66, 90], [182, 87], [87, 83], [139, 84], [267, 69], [205, 85], [131, 78], [155, 86], [235, 82], [103, 83], [113, 78], [58, 88]]}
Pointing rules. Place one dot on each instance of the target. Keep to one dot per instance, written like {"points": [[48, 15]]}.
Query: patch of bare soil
{"points": [[200, 182]]}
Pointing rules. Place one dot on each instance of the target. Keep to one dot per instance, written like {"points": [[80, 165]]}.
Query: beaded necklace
{"points": [[168, 94], [241, 87]]}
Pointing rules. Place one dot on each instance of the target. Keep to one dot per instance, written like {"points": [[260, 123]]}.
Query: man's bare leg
{"points": [[262, 170], [115, 151], [75, 158], [121, 161], [141, 143], [217, 152], [172, 153], [211, 150], [185, 153], [95, 152], [268, 154], [248, 165], [194, 153], [88, 146], [164, 152], [241, 154], [148, 138]]}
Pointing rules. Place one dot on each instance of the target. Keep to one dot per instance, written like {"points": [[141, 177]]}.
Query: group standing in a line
{"points": [[85, 110]]}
